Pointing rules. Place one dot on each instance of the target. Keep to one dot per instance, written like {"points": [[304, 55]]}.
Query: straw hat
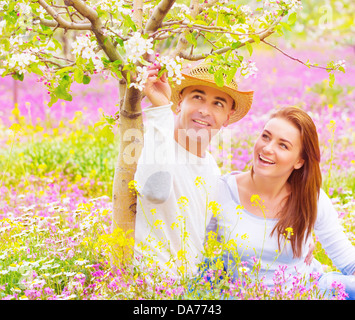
{"points": [[199, 75]]}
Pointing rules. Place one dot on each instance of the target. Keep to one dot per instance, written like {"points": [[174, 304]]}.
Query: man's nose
{"points": [[204, 109]]}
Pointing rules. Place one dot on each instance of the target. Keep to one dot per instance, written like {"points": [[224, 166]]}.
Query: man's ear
{"points": [[178, 107], [226, 123]]}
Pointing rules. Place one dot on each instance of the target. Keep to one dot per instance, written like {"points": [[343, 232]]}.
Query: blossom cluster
{"points": [[292, 5], [85, 46], [248, 69], [20, 61], [173, 66], [136, 46]]}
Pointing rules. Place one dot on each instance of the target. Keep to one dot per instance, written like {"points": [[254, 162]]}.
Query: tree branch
{"points": [[207, 5], [59, 21], [183, 44], [158, 15], [138, 13], [295, 59], [223, 50], [96, 27]]}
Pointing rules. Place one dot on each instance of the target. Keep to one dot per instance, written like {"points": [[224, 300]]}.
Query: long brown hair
{"points": [[300, 209]]}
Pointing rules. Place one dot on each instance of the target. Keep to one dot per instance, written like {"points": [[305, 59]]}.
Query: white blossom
{"points": [[2, 4], [173, 66], [248, 69], [246, 10], [85, 47], [20, 61], [340, 63], [23, 8], [142, 76], [137, 46], [113, 6]]}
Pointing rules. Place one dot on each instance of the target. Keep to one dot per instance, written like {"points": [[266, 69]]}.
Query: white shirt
{"points": [[172, 212], [252, 235]]}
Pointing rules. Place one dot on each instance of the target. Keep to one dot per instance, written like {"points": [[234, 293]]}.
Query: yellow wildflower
{"points": [[199, 181], [158, 223], [254, 198], [245, 236], [214, 207], [183, 201]]}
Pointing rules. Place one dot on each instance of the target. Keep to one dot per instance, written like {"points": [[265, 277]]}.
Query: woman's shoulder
{"points": [[228, 176]]}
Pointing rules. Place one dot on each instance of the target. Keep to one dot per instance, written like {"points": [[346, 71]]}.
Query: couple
{"points": [[178, 180]]}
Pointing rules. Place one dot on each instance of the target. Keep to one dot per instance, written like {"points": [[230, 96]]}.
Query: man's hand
{"points": [[156, 89]]}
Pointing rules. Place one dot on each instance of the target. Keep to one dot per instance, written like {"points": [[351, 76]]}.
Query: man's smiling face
{"points": [[202, 111]]}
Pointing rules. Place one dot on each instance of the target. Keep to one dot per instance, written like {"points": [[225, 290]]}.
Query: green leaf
{"points": [[231, 74], [62, 90], [249, 47], [117, 63], [278, 29], [200, 22], [53, 100], [286, 26], [129, 22], [61, 93], [218, 78], [57, 44], [78, 75], [18, 76], [119, 41], [331, 79], [66, 69], [236, 45], [34, 68], [255, 38], [99, 123], [86, 79], [292, 18], [191, 39]]}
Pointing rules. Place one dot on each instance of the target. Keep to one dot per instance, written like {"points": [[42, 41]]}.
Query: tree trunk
{"points": [[131, 143]]}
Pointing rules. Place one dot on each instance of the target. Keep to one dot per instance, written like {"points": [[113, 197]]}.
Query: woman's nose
{"points": [[268, 148]]}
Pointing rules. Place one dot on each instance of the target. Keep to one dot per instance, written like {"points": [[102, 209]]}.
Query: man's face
{"points": [[202, 111]]}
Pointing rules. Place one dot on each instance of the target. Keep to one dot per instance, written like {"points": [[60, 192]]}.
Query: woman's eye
{"points": [[219, 104], [265, 136], [197, 97], [283, 146]]}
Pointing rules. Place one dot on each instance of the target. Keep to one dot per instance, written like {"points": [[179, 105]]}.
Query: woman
{"points": [[286, 176]]}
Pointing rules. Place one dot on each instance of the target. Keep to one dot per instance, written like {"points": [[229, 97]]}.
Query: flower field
{"points": [[57, 166]]}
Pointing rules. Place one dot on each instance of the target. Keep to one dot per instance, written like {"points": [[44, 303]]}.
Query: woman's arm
{"points": [[331, 235]]}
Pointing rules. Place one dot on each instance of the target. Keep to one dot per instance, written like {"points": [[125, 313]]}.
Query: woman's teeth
{"points": [[265, 159]]}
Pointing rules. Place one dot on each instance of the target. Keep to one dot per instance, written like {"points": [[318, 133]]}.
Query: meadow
{"points": [[57, 166]]}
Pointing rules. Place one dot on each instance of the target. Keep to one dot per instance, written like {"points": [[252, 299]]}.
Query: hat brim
{"points": [[243, 99]]}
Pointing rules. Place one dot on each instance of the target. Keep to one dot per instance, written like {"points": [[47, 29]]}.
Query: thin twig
{"points": [[295, 59]]}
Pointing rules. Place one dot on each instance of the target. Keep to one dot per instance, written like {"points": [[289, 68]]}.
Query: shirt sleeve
{"points": [[154, 167], [331, 235]]}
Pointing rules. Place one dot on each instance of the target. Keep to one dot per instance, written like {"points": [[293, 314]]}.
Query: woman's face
{"points": [[277, 151]]}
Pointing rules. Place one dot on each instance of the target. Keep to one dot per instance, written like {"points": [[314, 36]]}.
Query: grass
{"points": [[55, 202]]}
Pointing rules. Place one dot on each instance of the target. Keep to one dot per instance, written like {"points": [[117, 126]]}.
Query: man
{"points": [[176, 175]]}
